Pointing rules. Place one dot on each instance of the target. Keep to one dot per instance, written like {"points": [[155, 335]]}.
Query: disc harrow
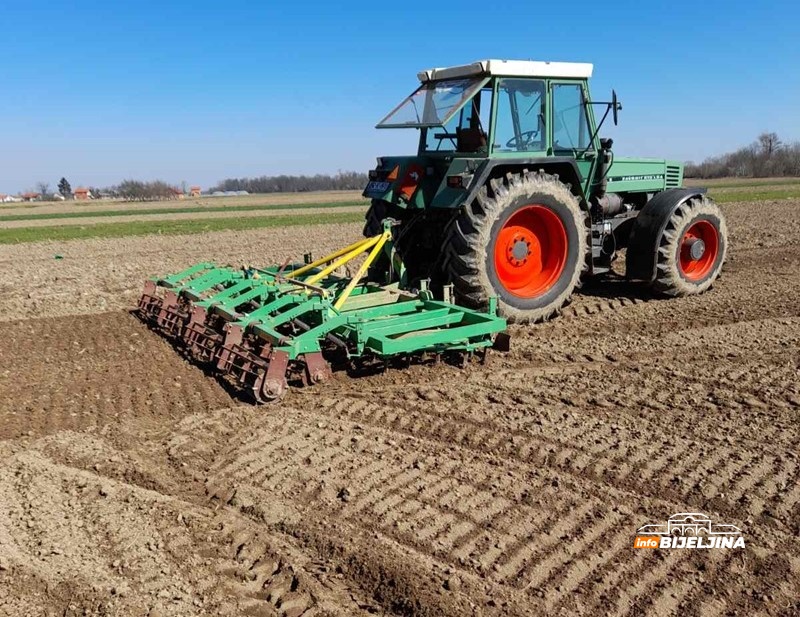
{"points": [[264, 328]]}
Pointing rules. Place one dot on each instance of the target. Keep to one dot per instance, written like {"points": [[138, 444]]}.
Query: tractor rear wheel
{"points": [[692, 249], [373, 226], [378, 211], [418, 240], [524, 241]]}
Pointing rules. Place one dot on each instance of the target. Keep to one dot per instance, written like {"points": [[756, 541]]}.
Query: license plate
{"points": [[375, 187]]}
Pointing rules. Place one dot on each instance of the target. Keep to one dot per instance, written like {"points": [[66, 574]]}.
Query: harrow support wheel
{"points": [[272, 385], [317, 369], [523, 240], [692, 249]]}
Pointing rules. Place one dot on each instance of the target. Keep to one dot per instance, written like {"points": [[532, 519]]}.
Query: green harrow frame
{"points": [[263, 328]]}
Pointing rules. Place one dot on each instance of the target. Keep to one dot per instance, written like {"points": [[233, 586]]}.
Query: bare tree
{"points": [[136, 190], [43, 188], [767, 156], [769, 143]]}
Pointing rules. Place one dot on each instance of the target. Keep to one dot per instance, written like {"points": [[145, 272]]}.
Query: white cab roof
{"points": [[510, 68]]}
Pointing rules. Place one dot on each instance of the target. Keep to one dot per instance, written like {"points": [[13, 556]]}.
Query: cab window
{"points": [[466, 131], [520, 125], [570, 120]]}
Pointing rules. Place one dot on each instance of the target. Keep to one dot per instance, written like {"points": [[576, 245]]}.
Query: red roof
{"points": [[81, 190], [29, 195]]}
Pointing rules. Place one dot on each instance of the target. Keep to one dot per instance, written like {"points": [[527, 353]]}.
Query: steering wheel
{"points": [[526, 137]]}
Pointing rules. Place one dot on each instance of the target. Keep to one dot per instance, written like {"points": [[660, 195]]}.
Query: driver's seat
{"points": [[470, 139]]}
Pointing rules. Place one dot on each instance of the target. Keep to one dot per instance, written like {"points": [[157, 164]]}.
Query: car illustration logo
{"points": [[689, 530]]}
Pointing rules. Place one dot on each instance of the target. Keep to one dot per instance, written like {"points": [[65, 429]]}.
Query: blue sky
{"points": [[199, 91]]}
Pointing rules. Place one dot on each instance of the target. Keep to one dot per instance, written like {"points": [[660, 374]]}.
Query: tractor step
{"points": [[264, 328]]}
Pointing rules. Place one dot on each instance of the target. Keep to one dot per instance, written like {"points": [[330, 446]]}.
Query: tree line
{"points": [[341, 181], [137, 190], [766, 157], [132, 190]]}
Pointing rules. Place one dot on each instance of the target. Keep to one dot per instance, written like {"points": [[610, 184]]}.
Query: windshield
{"points": [[433, 104]]}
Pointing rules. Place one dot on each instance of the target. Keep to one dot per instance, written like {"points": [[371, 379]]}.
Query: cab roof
{"points": [[510, 68]]}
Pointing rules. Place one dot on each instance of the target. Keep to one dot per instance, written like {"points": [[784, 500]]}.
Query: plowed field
{"points": [[132, 483]]}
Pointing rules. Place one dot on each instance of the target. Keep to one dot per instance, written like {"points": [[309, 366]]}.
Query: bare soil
{"points": [[90, 276], [131, 483]]}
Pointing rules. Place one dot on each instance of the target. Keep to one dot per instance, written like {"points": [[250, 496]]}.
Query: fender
{"points": [[640, 262], [565, 166]]}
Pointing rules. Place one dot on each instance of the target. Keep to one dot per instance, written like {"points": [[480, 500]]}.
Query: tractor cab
{"points": [[494, 109], [498, 107]]}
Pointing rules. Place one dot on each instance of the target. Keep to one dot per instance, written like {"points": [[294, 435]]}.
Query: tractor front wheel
{"points": [[524, 241], [692, 249]]}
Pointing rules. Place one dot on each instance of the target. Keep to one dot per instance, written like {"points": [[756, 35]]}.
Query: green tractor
{"points": [[513, 195]]}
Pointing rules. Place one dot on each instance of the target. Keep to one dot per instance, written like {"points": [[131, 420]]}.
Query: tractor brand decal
{"points": [[636, 178], [689, 530]]}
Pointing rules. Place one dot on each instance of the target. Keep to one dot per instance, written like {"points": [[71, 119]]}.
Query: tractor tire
{"points": [[692, 249], [418, 241], [378, 211], [524, 241]]}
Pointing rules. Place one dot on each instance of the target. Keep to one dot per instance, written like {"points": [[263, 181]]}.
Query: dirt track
{"points": [[132, 483]]}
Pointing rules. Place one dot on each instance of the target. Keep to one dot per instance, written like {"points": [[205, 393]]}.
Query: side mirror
{"points": [[615, 106]]}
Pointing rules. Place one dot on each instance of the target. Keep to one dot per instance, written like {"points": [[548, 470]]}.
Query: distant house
{"points": [[7, 199], [195, 191], [82, 194], [30, 196], [177, 194]]}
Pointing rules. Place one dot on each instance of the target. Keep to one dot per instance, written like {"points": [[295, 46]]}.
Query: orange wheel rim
{"points": [[531, 251], [699, 250]]}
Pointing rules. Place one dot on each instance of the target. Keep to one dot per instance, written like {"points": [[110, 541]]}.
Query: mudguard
{"points": [[563, 165], [640, 262]]}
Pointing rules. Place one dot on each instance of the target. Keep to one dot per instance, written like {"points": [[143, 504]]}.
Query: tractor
{"points": [[513, 195], [510, 201]]}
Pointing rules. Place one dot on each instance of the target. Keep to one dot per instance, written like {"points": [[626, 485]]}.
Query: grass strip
{"points": [[196, 226], [722, 198], [188, 210], [756, 183]]}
